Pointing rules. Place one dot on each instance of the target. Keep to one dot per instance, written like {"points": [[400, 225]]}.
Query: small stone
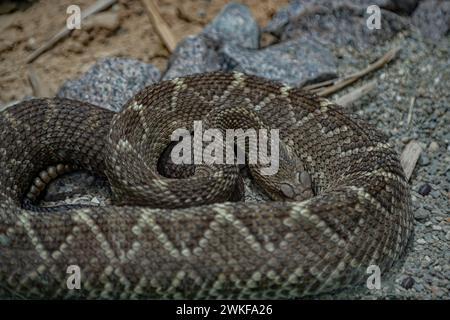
{"points": [[447, 235], [436, 227], [95, 200], [421, 241], [408, 282], [421, 214], [424, 160], [433, 147], [424, 189]]}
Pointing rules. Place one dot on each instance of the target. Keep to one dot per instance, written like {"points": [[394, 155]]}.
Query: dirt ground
{"points": [[123, 30]]}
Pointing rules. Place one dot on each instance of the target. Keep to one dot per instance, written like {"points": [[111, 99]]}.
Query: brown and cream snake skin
{"points": [[184, 246]]}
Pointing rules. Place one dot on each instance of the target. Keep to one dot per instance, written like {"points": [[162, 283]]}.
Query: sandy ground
{"points": [[125, 31]]}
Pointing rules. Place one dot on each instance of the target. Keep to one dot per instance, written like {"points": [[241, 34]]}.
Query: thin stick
{"points": [[40, 88], [100, 5], [161, 27], [338, 84], [356, 94], [411, 107]]}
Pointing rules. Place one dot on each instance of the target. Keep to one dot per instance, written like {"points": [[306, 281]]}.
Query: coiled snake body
{"points": [[180, 243]]}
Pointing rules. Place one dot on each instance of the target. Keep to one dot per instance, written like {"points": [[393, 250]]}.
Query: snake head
{"points": [[297, 189], [294, 181]]}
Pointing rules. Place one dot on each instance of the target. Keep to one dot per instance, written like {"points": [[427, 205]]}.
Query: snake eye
{"points": [[287, 190], [305, 179]]}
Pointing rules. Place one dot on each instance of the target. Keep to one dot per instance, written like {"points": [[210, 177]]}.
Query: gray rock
{"points": [[343, 24], [421, 214], [234, 24], [195, 54], [295, 8], [408, 282], [110, 82], [295, 62], [424, 189], [424, 160], [432, 17]]}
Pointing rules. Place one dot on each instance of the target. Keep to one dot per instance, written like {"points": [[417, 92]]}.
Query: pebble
{"points": [[421, 241], [424, 189], [408, 282], [424, 160], [421, 214], [294, 62], [433, 147]]}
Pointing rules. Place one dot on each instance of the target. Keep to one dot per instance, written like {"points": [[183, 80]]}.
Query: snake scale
{"points": [[181, 244]]}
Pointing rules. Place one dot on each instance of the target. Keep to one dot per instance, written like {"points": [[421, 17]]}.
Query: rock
{"points": [[408, 282], [432, 17], [296, 8], [433, 147], [424, 189], [195, 54], [342, 24], [421, 241], [421, 214], [234, 24], [424, 160], [295, 62], [110, 82], [447, 235]]}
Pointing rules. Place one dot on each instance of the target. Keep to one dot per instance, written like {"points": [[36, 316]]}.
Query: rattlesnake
{"points": [[359, 215]]}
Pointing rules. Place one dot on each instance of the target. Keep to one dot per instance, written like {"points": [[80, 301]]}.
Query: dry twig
{"points": [[40, 88], [160, 25], [331, 86], [100, 5]]}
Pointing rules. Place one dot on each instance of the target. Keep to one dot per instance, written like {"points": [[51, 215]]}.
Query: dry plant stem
{"points": [[343, 82], [40, 88], [410, 110], [100, 5], [160, 25]]}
